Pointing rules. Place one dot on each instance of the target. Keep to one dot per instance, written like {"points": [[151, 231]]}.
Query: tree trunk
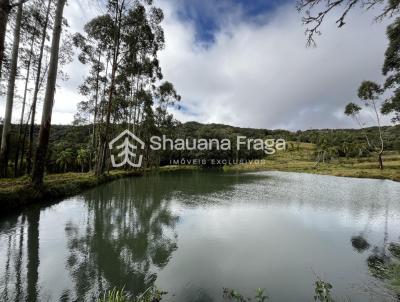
{"points": [[380, 160], [10, 96], [44, 134], [104, 138], [380, 137], [4, 12], [21, 122], [96, 101], [36, 91], [102, 159], [23, 143]]}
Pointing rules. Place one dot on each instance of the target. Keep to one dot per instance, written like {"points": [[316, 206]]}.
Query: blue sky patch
{"points": [[207, 15]]}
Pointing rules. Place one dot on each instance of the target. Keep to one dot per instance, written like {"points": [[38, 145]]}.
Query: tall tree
{"points": [[391, 69], [5, 8], [354, 110], [44, 134], [116, 8], [29, 24], [91, 53], [10, 95], [369, 92], [37, 86], [129, 36]]}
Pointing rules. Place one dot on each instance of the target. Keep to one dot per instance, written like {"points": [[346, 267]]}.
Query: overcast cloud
{"points": [[255, 74]]}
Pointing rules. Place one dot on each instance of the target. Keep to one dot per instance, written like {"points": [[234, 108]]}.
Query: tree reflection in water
{"points": [[21, 272], [128, 235], [384, 260]]}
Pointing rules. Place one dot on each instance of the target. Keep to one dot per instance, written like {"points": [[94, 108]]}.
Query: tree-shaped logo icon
{"points": [[129, 146]]}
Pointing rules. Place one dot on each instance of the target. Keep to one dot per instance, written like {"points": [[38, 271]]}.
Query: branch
{"points": [[340, 21], [315, 21], [388, 11]]}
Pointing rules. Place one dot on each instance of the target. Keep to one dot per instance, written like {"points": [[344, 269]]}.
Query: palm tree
{"points": [[65, 158], [82, 158]]}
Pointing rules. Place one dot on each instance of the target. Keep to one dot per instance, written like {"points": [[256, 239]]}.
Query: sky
{"points": [[245, 63]]}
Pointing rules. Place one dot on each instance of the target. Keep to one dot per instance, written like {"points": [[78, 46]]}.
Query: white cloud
{"points": [[264, 76], [254, 74]]}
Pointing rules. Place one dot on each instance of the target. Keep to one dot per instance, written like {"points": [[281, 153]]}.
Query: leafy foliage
{"points": [[152, 294], [323, 291], [232, 294]]}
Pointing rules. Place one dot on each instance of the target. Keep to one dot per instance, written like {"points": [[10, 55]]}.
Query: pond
{"points": [[193, 233]]}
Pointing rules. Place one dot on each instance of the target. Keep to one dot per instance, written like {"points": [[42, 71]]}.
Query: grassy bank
{"points": [[17, 193], [302, 159]]}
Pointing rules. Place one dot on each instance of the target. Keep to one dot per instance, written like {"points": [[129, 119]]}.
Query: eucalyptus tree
{"points": [[127, 38], [167, 96], [44, 134], [10, 95], [391, 69], [112, 23], [121, 47], [5, 8], [30, 32], [369, 93], [93, 48], [353, 110], [45, 18]]}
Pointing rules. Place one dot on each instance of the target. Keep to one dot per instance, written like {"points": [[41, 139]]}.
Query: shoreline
{"points": [[302, 160], [360, 174], [17, 194], [347, 173]]}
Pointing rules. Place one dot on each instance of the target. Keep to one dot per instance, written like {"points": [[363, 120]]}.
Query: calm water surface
{"points": [[193, 233]]}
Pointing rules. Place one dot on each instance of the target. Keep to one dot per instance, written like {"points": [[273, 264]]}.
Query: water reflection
{"points": [[32, 218], [123, 242], [235, 230], [21, 250], [383, 260]]}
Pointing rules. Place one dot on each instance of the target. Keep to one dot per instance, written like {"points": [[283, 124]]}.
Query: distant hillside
{"points": [[80, 134], [336, 143], [339, 136]]}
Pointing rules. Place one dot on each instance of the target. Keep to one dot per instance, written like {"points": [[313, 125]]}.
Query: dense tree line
{"points": [[30, 61], [125, 89], [69, 144]]}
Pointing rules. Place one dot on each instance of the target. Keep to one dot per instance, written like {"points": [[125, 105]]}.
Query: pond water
{"points": [[193, 233]]}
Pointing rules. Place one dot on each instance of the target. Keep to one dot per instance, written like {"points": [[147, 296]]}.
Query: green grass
{"points": [[170, 168], [16, 193], [152, 294], [303, 160]]}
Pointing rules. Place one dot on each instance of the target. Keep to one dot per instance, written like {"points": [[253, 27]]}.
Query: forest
{"points": [[69, 147], [125, 89], [125, 85]]}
